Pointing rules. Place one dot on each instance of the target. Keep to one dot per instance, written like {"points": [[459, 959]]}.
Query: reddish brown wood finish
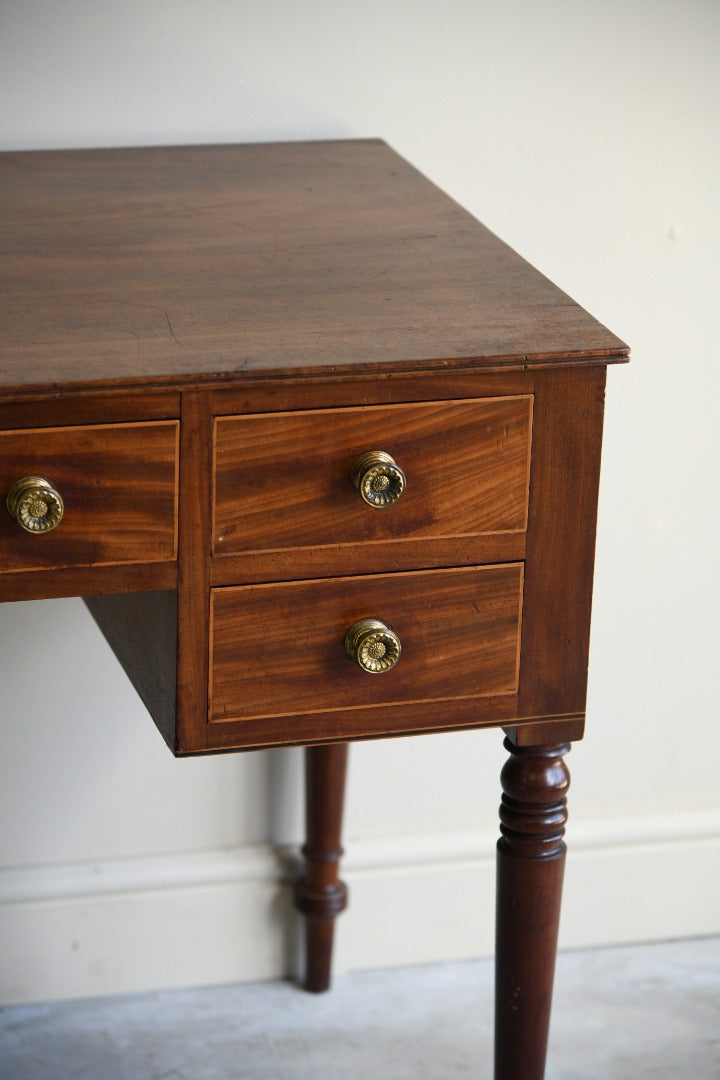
{"points": [[87, 580], [320, 895], [194, 572], [405, 718], [567, 440], [177, 264], [284, 480], [530, 863], [40, 410], [119, 485], [277, 650], [370, 557]]}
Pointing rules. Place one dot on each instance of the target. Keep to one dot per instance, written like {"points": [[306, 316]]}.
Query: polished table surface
{"points": [[252, 397]]}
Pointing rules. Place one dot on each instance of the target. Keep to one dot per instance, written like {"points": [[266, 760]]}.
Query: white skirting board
{"points": [[226, 916]]}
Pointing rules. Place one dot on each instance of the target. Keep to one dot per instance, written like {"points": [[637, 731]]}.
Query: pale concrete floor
{"points": [[619, 1014]]}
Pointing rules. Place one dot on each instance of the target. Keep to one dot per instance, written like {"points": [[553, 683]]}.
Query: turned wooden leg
{"points": [[320, 895], [530, 863]]}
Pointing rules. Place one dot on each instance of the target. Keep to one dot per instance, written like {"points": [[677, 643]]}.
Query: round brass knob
{"points": [[35, 504], [380, 481], [372, 645]]}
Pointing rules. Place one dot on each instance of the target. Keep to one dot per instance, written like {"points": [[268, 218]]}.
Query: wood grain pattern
{"points": [[176, 264], [119, 485], [104, 407], [284, 480], [352, 724], [194, 571], [367, 557], [277, 650], [565, 476], [88, 580], [256, 394]]}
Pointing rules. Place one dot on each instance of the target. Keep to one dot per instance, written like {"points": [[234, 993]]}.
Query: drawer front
{"points": [[118, 484], [284, 480], [278, 650]]}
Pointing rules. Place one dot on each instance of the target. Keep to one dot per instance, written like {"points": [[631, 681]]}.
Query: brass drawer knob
{"points": [[35, 504], [372, 645], [380, 481]]}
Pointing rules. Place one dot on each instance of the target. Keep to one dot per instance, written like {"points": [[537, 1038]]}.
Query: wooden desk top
{"points": [[178, 265]]}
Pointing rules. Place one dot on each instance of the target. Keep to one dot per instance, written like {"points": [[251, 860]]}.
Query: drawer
{"points": [[284, 480], [118, 486], [277, 650]]}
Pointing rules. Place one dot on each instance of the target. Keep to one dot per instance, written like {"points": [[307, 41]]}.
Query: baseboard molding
{"points": [[226, 916]]}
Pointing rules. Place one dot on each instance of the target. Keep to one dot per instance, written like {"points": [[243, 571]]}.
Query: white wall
{"points": [[586, 135]]}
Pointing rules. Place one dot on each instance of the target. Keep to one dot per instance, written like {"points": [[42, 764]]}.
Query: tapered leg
{"points": [[320, 895], [530, 863]]}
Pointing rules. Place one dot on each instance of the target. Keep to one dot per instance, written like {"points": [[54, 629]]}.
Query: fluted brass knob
{"points": [[372, 645], [35, 504], [380, 481]]}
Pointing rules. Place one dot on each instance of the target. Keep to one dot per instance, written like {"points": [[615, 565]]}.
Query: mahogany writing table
{"points": [[322, 455]]}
